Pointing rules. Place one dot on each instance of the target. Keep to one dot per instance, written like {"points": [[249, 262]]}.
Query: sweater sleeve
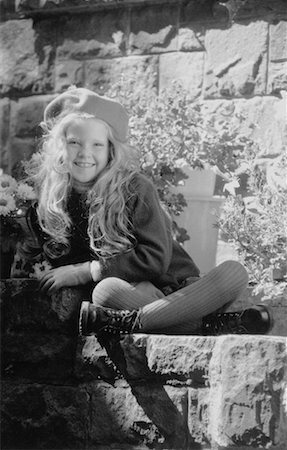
{"points": [[151, 255]]}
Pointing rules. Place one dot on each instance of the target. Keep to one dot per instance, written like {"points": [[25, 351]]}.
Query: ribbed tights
{"points": [[182, 311]]}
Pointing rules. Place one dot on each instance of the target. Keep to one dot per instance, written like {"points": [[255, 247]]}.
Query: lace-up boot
{"points": [[253, 320], [102, 321]]}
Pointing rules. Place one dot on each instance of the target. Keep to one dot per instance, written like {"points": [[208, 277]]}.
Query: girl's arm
{"points": [[147, 260], [151, 255]]}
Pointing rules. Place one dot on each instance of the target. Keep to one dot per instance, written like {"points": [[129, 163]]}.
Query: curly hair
{"points": [[110, 230]]}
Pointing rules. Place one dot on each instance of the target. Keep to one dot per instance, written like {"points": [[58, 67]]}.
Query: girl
{"points": [[99, 220]]}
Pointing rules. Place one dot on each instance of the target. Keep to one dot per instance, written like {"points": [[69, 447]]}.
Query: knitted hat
{"points": [[84, 100]]}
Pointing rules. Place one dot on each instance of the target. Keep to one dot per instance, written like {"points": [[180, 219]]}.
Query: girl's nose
{"points": [[84, 150]]}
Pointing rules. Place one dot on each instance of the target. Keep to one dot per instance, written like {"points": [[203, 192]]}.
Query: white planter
{"points": [[199, 217], [200, 183]]}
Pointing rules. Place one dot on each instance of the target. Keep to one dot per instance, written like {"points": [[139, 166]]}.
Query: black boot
{"points": [[102, 321], [254, 320]]}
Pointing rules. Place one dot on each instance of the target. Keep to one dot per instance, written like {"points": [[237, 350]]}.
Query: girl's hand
{"points": [[64, 276]]}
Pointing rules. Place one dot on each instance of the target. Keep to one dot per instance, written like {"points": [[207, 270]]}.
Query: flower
{"points": [[40, 269], [14, 196], [25, 192], [8, 184], [7, 204]]}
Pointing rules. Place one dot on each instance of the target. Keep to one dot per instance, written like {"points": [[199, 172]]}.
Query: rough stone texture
{"points": [[19, 63], [153, 30], [234, 68], [277, 80], [191, 38], [101, 74], [44, 416], [26, 55], [244, 383], [265, 119], [25, 114], [68, 73], [190, 41], [261, 8], [102, 35], [157, 391], [20, 150], [187, 68]]}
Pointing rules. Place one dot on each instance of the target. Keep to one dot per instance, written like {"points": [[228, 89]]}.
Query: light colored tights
{"points": [[180, 312]]}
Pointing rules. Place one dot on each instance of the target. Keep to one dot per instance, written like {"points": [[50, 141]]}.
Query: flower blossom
{"points": [[25, 192], [8, 184], [40, 269], [7, 204]]}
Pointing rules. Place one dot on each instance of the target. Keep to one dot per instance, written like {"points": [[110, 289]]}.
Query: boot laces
{"points": [[119, 322], [229, 322]]}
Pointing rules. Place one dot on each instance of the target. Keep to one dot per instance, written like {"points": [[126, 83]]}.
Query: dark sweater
{"points": [[155, 257]]}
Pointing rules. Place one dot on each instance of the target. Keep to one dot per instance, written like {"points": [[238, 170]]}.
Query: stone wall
{"points": [[229, 51], [153, 392]]}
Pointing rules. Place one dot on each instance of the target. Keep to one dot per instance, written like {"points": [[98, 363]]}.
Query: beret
{"points": [[86, 101]]}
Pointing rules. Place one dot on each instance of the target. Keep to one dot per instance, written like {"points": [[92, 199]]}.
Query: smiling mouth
{"points": [[84, 165]]}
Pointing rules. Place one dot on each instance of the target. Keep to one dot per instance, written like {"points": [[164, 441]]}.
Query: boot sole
{"points": [[83, 319], [266, 315]]}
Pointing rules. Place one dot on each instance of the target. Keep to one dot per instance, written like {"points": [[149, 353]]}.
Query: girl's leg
{"points": [[181, 311], [119, 294], [220, 286]]}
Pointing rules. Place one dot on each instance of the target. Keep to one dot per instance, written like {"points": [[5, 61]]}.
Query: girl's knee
{"points": [[235, 271], [105, 291]]}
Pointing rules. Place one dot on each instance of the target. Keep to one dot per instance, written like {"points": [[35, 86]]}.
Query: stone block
{"points": [[233, 67], [277, 77], [92, 362], [40, 416], [149, 357], [261, 8], [20, 150], [4, 134], [198, 418], [38, 357], [191, 38], [24, 307], [150, 415], [265, 120], [19, 62], [184, 67], [277, 73], [140, 72], [26, 115], [47, 32], [247, 379], [99, 34], [180, 357], [68, 73], [28, 5], [278, 41], [153, 29], [195, 10]]}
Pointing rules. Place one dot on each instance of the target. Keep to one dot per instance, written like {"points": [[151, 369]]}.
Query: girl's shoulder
{"points": [[141, 183]]}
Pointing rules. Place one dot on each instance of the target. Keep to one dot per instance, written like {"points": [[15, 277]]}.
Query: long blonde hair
{"points": [[110, 229]]}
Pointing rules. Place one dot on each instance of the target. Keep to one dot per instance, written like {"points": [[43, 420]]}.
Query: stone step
{"points": [[149, 391]]}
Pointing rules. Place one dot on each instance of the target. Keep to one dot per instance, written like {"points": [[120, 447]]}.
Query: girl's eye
{"points": [[73, 142]]}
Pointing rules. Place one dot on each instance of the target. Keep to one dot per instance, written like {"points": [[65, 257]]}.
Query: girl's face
{"points": [[87, 149]]}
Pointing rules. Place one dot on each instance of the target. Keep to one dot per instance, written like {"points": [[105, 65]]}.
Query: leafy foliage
{"points": [[257, 226], [172, 131]]}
